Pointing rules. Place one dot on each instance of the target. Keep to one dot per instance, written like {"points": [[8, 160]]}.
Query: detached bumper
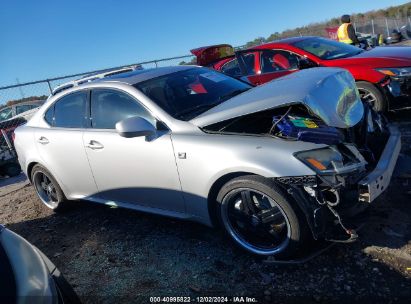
{"points": [[375, 183]]}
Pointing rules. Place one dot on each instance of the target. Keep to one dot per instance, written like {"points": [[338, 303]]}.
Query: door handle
{"points": [[93, 144], [43, 140]]}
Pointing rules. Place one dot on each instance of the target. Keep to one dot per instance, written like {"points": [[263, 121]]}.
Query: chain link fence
{"points": [[383, 26]]}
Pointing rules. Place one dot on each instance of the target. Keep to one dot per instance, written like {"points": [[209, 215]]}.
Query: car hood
{"points": [[387, 52], [328, 93]]}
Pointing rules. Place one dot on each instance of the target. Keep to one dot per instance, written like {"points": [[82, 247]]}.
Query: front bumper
{"points": [[398, 91], [375, 183], [352, 192]]}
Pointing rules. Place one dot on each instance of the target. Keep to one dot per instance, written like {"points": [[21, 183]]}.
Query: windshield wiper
{"points": [[231, 94]]}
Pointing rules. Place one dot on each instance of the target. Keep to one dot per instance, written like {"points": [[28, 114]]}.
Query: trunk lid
{"points": [[208, 54]]}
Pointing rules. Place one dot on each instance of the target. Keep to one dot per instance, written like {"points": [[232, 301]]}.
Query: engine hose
{"points": [[278, 121]]}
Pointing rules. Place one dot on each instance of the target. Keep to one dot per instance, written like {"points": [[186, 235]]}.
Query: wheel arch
{"points": [[33, 163], [379, 88], [215, 189], [30, 169]]}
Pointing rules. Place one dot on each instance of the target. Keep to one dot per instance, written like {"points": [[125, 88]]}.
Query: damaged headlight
{"points": [[321, 160], [330, 161], [396, 72]]}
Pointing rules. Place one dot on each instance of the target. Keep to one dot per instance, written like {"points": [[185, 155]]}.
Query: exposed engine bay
{"points": [[296, 122], [334, 194]]}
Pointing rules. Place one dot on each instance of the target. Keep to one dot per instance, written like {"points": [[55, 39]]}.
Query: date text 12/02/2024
{"points": [[240, 299]]}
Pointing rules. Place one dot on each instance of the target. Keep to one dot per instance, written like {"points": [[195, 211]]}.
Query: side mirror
{"points": [[305, 63], [135, 126]]}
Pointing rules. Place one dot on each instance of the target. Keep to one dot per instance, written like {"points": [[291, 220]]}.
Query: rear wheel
{"points": [[48, 189], [370, 94], [260, 218]]}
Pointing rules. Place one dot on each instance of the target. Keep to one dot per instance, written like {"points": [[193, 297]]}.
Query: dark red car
{"points": [[383, 74]]}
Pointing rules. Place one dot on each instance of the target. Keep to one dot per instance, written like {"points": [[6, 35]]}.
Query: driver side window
{"points": [[110, 106], [278, 60]]}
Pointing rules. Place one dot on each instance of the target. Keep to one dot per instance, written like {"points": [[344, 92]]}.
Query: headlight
{"points": [[398, 72], [325, 160]]}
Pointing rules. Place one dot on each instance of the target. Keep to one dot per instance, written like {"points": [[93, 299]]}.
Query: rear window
{"points": [[24, 108]]}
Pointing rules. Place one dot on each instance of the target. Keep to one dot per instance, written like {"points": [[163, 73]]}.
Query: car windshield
{"points": [[327, 49], [5, 114], [186, 94]]}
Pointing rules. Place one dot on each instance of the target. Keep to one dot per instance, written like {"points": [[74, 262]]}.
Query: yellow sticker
{"points": [[310, 124]]}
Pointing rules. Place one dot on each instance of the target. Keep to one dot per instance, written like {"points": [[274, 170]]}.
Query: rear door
{"points": [[136, 170], [61, 146]]}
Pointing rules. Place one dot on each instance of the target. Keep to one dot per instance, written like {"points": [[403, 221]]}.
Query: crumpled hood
{"points": [[329, 93]]}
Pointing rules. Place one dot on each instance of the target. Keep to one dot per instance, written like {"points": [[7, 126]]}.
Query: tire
{"points": [[285, 230], [12, 169], [48, 190], [370, 94]]}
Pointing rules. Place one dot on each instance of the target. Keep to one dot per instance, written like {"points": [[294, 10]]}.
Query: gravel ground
{"points": [[114, 255]]}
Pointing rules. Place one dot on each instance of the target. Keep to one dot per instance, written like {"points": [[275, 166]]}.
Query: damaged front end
{"points": [[353, 165], [397, 89]]}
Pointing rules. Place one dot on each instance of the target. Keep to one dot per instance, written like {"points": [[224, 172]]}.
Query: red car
{"points": [[383, 74]]}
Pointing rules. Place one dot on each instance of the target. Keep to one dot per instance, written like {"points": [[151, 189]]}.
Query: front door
{"points": [[136, 170], [270, 64]]}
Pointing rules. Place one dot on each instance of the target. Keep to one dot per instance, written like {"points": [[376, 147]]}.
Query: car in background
{"points": [[24, 110], [382, 74], [28, 276], [272, 165]]}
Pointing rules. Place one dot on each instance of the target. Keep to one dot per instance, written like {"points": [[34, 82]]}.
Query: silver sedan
{"points": [[274, 165]]}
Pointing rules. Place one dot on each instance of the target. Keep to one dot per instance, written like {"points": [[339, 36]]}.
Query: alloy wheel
{"points": [[256, 221], [367, 97], [45, 189]]}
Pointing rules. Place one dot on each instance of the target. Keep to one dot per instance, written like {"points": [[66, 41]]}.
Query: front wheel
{"points": [[371, 95], [48, 189], [260, 218]]}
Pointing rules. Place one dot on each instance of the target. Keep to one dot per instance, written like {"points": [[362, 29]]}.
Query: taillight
{"points": [[13, 135]]}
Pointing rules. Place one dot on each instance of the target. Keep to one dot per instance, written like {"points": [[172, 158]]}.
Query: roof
{"points": [[287, 40], [143, 75], [129, 75]]}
